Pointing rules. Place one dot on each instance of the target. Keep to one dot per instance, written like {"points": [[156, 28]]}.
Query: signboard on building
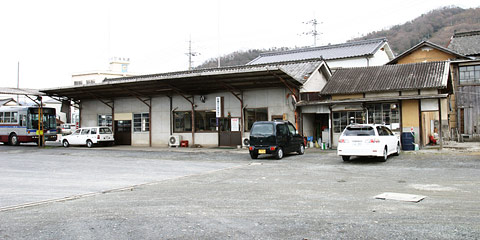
{"points": [[218, 106], [234, 125]]}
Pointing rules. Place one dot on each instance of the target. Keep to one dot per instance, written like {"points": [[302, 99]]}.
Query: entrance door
{"points": [[430, 125], [123, 132], [226, 136]]}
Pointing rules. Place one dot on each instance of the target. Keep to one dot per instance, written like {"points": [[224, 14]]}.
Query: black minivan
{"points": [[275, 137]]}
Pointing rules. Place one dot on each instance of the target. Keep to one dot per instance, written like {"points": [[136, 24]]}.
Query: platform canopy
{"points": [[196, 82]]}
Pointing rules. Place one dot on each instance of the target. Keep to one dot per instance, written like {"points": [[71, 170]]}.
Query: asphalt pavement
{"points": [[134, 193]]}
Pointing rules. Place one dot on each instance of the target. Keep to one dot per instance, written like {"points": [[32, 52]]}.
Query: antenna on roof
{"points": [[314, 32]]}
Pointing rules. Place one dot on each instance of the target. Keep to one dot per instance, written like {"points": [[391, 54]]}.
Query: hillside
{"points": [[437, 26]]}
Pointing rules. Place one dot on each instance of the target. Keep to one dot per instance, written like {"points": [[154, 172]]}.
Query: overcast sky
{"points": [[53, 39]]}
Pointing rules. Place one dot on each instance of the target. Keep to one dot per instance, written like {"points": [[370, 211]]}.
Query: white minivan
{"points": [[89, 136], [368, 140]]}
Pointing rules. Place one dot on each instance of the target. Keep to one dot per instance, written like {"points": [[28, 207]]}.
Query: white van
{"points": [[89, 136]]}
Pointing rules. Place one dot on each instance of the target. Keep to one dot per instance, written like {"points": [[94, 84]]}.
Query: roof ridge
{"points": [[467, 34], [308, 49], [202, 70]]}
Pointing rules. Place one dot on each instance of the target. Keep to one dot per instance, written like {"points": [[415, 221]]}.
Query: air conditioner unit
{"points": [[174, 141], [245, 142]]}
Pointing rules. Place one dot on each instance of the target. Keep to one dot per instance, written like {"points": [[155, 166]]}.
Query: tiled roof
{"points": [[427, 44], [328, 52], [466, 43], [299, 70], [388, 78]]}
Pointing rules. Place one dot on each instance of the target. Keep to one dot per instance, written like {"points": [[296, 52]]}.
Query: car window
{"points": [[77, 132], [105, 130], [262, 129], [85, 131], [388, 131], [381, 131], [359, 131], [93, 131], [291, 129], [282, 129]]}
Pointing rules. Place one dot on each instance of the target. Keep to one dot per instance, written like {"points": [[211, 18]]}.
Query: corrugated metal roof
{"points": [[466, 43], [388, 78], [328, 52], [20, 91]]}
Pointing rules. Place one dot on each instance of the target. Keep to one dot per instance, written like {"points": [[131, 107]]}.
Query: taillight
{"points": [[250, 148], [98, 136], [342, 140], [372, 140], [272, 148]]}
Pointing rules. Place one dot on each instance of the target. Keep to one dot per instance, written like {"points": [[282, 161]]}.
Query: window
{"points": [[291, 129], [470, 74], [359, 131], [262, 129], [204, 121], [343, 119], [386, 113], [252, 115], [182, 121], [141, 122], [85, 131], [282, 130], [90, 82], [1, 117], [93, 131], [105, 120], [76, 83]]}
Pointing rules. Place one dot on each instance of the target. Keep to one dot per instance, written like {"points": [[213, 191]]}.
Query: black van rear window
{"points": [[359, 131], [262, 129]]}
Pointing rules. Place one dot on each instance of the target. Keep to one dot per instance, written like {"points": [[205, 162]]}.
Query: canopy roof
{"points": [[196, 82]]}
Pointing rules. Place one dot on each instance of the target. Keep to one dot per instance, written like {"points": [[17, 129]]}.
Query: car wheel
{"points": [[398, 150], [254, 155], [301, 150], [13, 140], [65, 143], [279, 154], [346, 158], [89, 143], [385, 155]]}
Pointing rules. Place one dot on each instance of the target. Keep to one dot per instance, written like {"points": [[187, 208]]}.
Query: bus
{"points": [[19, 124]]}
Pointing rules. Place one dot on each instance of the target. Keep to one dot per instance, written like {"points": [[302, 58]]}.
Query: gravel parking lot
{"points": [[221, 194]]}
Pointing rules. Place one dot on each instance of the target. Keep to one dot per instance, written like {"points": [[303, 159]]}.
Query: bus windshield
{"points": [[49, 118]]}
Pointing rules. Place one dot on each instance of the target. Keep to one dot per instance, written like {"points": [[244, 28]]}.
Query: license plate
{"points": [[262, 151]]}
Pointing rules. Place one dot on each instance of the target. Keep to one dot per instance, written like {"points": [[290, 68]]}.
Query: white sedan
{"points": [[368, 140], [89, 136]]}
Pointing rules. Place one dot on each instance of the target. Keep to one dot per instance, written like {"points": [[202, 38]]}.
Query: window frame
{"points": [[141, 122], [247, 126], [473, 74]]}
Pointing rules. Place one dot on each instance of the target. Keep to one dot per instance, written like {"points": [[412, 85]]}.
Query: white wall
{"points": [[274, 99], [315, 83]]}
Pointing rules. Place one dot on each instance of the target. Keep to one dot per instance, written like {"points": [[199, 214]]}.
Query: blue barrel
{"points": [[408, 141]]}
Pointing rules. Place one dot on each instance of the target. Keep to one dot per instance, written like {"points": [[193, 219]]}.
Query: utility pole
{"points": [[190, 54], [314, 32], [18, 80]]}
